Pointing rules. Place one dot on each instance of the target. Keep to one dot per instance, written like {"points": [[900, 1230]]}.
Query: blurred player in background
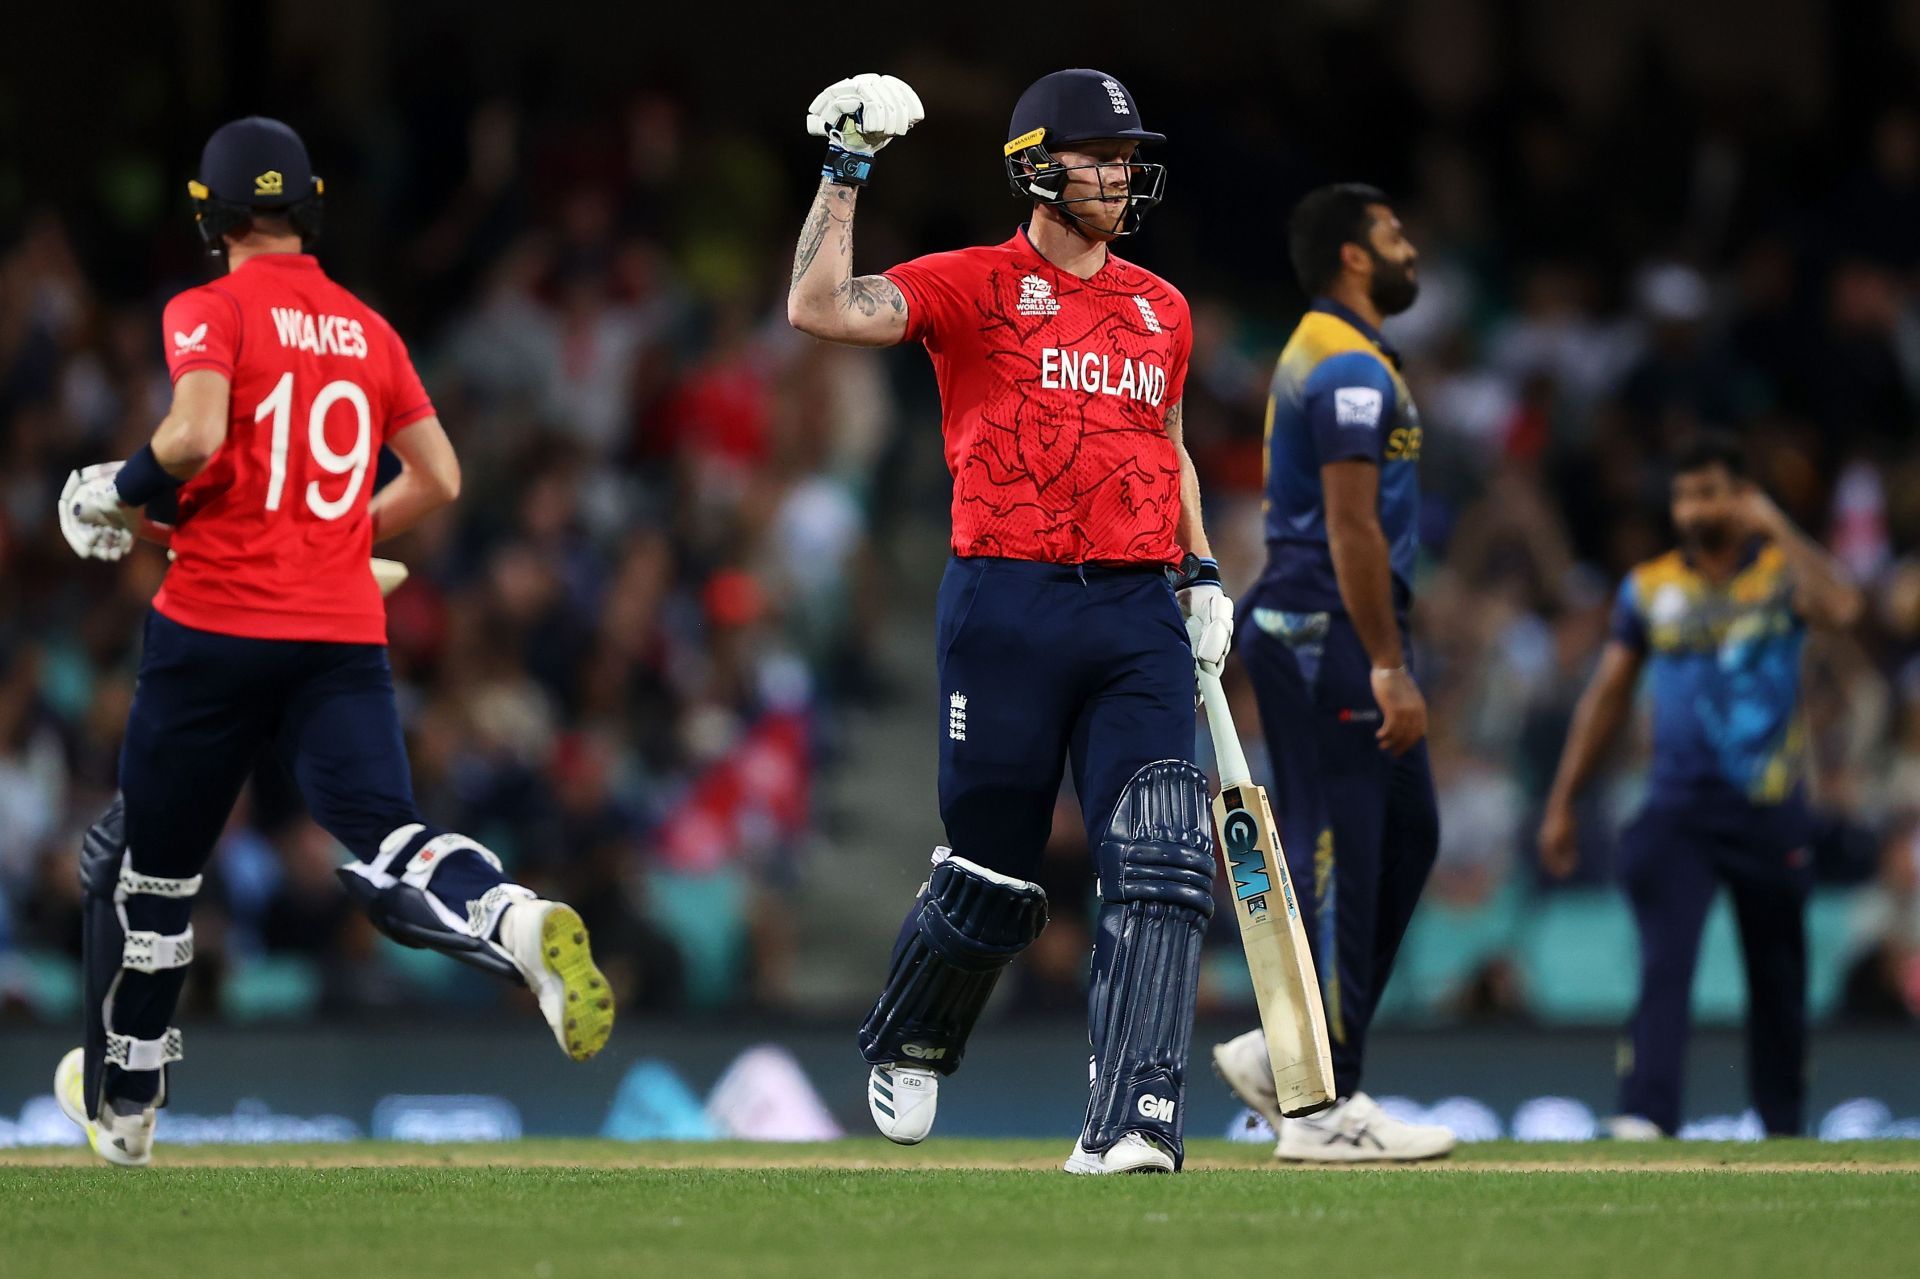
{"points": [[1077, 549], [1330, 659], [270, 630], [1720, 623]]}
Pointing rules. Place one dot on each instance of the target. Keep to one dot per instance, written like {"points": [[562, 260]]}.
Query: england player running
{"points": [[1718, 625], [270, 630], [1329, 657], [1077, 551]]}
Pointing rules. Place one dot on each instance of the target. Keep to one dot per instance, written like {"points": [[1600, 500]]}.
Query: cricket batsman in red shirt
{"points": [[270, 630], [1080, 594]]}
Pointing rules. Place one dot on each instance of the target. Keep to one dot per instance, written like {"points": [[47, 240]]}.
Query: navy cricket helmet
{"points": [[249, 166], [1078, 105]]}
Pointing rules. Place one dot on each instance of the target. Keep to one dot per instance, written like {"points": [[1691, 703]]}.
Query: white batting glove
{"points": [[865, 112], [93, 520], [1208, 611]]}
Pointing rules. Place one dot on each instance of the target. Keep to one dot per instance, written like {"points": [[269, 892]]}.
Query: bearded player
{"points": [[1719, 625], [270, 630], [1329, 656], [1079, 596]]}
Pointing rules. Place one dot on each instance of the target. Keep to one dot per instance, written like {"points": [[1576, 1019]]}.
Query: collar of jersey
{"points": [[1025, 242], [304, 260], [1346, 314], [1748, 554]]}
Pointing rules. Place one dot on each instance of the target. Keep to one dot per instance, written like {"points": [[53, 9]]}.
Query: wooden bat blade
{"points": [[1285, 985], [388, 574]]}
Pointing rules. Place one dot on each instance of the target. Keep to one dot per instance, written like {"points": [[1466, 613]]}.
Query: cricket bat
{"points": [[1284, 983], [388, 574]]}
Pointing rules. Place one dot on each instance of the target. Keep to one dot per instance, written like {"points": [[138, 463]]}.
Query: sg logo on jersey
{"points": [[1403, 444]]}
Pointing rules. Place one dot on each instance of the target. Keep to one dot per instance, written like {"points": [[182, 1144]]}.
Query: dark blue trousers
{"points": [[1042, 665], [1360, 827], [1673, 860], [206, 708]]}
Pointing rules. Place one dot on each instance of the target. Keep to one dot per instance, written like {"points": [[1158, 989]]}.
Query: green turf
{"points": [[1788, 1208]]}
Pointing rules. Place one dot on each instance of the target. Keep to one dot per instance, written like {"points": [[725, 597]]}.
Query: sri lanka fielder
{"points": [[1718, 625], [1329, 657], [270, 630], [1077, 549]]}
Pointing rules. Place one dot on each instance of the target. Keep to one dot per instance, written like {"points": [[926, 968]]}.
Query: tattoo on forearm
{"points": [[1176, 418], [820, 220], [812, 234], [869, 293]]}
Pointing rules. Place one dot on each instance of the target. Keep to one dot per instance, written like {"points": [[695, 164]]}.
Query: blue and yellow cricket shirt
{"points": [[1337, 394], [1723, 663]]}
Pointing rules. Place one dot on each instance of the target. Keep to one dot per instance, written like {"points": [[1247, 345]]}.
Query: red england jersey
{"points": [[273, 539], [1054, 394]]}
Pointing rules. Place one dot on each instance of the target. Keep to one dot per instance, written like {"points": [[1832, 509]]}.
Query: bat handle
{"points": [[1226, 740]]}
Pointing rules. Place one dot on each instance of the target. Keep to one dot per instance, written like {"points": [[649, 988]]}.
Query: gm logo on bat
{"points": [[1248, 861], [1252, 875]]}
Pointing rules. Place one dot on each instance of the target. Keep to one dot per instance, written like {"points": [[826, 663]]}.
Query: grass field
{"points": [[564, 1209]]}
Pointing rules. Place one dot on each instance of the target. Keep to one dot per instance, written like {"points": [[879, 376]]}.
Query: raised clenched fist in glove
{"points": [[860, 115]]}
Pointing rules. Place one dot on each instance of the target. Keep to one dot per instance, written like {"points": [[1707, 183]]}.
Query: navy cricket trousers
{"points": [[208, 705], [1673, 860], [1360, 827], [1042, 664]]}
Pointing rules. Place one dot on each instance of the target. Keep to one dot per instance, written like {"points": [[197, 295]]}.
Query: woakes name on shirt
{"points": [[320, 335]]}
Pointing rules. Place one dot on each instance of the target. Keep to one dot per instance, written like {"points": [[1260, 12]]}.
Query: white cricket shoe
{"points": [[1358, 1131], [1243, 1067], [1134, 1152], [548, 944], [125, 1140], [902, 1100], [1633, 1128]]}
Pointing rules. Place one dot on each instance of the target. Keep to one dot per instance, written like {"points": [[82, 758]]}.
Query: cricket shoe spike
{"points": [[548, 944], [1358, 1131], [902, 1100], [1134, 1152], [1243, 1067], [125, 1140]]}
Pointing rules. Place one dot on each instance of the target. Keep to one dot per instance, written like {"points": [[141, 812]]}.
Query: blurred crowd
{"points": [[627, 657], [619, 657]]}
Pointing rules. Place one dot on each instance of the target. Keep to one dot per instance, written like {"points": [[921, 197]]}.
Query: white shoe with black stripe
{"points": [[1358, 1131], [1242, 1065], [125, 1140], [901, 1100]]}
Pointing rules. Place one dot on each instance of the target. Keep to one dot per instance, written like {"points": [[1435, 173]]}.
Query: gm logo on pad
{"points": [[1152, 1107]]}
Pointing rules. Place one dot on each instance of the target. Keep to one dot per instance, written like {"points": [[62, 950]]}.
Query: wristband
{"points": [[846, 168], [1196, 570], [143, 478], [1391, 670]]}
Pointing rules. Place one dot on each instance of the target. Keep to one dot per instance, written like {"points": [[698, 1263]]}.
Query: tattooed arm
{"points": [[1191, 533], [824, 297]]}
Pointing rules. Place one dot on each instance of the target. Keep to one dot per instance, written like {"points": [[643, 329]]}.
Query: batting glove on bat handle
{"points": [[858, 116], [1208, 611]]}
